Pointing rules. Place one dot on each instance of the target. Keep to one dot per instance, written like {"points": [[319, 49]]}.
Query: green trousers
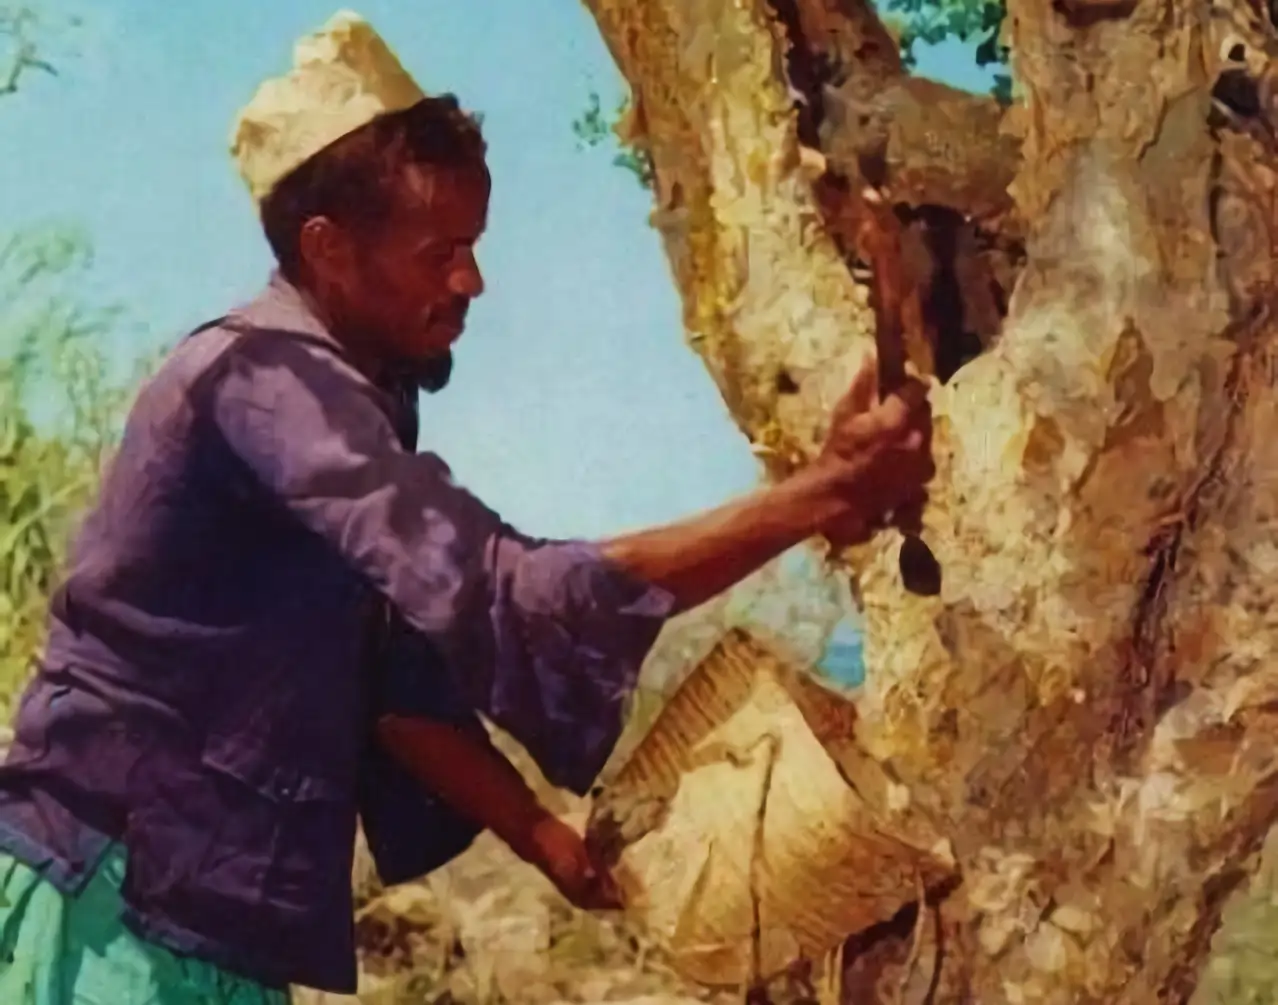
{"points": [[60, 950]]}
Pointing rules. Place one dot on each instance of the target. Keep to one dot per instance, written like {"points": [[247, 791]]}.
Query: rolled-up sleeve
{"points": [[546, 638]]}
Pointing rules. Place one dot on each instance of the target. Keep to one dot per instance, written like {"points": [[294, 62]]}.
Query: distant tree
{"points": [[27, 32], [970, 21], [593, 128]]}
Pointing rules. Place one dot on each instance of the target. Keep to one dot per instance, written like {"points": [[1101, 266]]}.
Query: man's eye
{"points": [[437, 254]]}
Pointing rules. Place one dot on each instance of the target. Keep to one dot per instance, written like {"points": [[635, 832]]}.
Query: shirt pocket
{"points": [[227, 837], [303, 849], [36, 711]]}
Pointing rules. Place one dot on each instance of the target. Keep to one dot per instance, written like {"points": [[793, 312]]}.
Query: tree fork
{"points": [[955, 291], [1104, 507]]}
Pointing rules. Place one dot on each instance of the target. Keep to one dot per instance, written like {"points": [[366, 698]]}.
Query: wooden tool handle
{"points": [[880, 241]]}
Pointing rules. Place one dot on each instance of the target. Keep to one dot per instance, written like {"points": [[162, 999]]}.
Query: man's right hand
{"points": [[880, 454], [876, 460]]}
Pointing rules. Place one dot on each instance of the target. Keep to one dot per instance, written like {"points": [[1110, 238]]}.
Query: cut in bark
{"points": [[1087, 711]]}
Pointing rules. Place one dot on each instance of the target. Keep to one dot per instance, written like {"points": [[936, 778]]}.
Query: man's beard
{"points": [[430, 374]]}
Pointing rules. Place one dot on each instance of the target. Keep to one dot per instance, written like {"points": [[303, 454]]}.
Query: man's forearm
{"points": [[700, 557], [468, 774]]}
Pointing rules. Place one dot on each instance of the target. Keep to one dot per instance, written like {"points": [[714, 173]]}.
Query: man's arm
{"points": [[698, 558], [475, 780], [468, 774], [545, 637], [875, 455]]}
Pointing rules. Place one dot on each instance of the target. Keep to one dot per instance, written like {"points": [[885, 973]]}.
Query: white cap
{"points": [[344, 76]]}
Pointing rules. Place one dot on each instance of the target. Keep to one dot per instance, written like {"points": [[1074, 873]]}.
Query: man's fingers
{"points": [[905, 409], [913, 392], [863, 391], [602, 893], [610, 893], [920, 435], [915, 501]]}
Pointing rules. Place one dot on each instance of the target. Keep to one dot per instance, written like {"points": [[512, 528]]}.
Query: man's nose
{"points": [[466, 280]]}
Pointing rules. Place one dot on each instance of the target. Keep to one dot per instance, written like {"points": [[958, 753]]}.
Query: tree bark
{"points": [[1087, 710]]}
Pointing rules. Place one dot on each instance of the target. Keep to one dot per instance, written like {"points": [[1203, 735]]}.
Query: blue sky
{"points": [[575, 407]]}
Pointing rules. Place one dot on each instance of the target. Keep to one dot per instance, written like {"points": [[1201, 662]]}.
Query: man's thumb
{"points": [[863, 391]]}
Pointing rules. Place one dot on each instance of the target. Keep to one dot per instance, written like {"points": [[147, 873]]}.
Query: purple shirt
{"points": [[209, 679]]}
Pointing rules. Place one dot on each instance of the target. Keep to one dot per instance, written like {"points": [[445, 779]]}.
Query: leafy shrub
{"points": [[61, 406]]}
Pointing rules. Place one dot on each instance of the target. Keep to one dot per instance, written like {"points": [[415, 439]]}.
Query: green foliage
{"points": [[933, 21], [28, 32], [60, 407], [926, 21], [592, 128], [60, 412]]}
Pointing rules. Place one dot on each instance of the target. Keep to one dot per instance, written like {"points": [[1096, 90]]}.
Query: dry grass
{"points": [[489, 930]]}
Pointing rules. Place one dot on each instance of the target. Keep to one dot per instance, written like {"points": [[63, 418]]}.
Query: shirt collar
{"points": [[282, 307]]}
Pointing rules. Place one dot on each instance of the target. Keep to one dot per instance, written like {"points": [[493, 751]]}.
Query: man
{"points": [[178, 811]]}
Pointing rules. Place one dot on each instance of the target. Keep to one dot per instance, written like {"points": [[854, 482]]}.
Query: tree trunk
{"points": [[1087, 711]]}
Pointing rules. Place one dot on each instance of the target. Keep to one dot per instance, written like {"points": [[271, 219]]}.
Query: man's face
{"points": [[405, 286]]}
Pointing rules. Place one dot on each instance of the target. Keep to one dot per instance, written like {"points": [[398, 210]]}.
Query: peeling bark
{"points": [[941, 145], [1087, 711], [939, 154]]}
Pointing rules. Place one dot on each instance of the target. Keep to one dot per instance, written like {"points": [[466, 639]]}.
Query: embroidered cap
{"points": [[344, 76]]}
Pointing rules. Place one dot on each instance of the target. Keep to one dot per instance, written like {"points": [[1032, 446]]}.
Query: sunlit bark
{"points": [[1087, 711]]}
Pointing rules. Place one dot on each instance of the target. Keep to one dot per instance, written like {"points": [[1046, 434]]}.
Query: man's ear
{"points": [[326, 251]]}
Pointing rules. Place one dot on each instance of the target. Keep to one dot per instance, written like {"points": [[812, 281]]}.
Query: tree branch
{"points": [[19, 25], [23, 61], [937, 152], [940, 146], [1087, 711]]}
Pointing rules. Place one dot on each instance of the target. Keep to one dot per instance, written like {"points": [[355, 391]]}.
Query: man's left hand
{"points": [[561, 854]]}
